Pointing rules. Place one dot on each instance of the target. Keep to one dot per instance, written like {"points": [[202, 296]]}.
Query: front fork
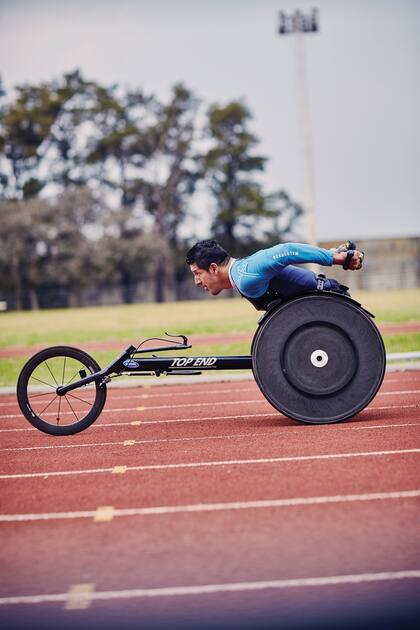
{"points": [[102, 375]]}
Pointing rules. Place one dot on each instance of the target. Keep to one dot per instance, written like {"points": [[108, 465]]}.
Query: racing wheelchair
{"points": [[317, 358]]}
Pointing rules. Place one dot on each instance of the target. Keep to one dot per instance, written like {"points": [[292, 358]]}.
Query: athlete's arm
{"points": [[268, 262], [252, 275]]}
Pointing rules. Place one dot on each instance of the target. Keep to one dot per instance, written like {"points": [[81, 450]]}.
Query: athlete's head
{"points": [[208, 263]]}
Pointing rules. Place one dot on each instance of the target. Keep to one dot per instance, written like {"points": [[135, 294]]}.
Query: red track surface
{"points": [[245, 506]]}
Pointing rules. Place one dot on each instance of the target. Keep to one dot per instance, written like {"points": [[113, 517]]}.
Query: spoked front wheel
{"points": [[39, 401]]}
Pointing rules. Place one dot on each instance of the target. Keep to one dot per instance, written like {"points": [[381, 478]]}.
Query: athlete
{"points": [[269, 274]]}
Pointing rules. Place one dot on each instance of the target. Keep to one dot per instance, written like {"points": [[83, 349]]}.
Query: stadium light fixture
{"points": [[297, 24]]}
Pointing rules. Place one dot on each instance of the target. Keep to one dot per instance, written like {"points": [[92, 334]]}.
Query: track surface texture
{"points": [[200, 506]]}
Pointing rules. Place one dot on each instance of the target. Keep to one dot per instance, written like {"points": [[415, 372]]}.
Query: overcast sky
{"points": [[363, 71]]}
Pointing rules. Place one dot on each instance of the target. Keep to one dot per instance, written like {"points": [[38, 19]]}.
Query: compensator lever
{"points": [[183, 337], [174, 344]]}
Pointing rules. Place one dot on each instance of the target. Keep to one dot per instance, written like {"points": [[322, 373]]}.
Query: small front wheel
{"points": [[39, 401]]}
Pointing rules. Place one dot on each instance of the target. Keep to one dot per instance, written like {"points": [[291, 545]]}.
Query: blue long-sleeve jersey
{"points": [[252, 275]]}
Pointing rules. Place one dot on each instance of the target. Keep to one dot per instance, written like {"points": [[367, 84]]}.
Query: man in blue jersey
{"points": [[270, 273]]}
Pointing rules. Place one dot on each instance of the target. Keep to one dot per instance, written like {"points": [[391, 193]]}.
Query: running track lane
{"points": [[226, 564]]}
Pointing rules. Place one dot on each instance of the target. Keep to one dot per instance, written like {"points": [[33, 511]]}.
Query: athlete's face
{"points": [[210, 280]]}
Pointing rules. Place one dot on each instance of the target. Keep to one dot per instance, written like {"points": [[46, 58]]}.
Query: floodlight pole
{"points": [[297, 24]]}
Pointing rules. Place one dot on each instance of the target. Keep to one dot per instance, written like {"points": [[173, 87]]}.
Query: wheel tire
{"points": [[38, 419], [319, 358]]}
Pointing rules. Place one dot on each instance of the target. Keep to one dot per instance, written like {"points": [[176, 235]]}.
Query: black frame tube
{"points": [[174, 364], [130, 363]]}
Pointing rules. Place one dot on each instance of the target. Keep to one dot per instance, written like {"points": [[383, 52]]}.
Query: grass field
{"points": [[131, 323]]}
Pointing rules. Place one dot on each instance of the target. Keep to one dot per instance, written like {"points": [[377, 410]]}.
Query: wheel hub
{"points": [[319, 359]]}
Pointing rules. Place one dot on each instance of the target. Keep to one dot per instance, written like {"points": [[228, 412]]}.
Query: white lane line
{"points": [[130, 396], [141, 422], [275, 433], [202, 589], [228, 462], [112, 512], [406, 391], [401, 376], [134, 442], [387, 426], [206, 404], [245, 416], [253, 389], [200, 404], [380, 408], [111, 397], [153, 408]]}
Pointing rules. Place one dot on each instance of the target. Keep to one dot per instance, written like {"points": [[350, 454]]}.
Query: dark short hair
{"points": [[204, 253]]}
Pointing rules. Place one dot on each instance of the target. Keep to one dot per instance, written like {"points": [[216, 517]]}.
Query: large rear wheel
{"points": [[39, 401], [319, 358]]}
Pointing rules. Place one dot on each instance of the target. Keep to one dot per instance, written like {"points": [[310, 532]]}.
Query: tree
{"points": [[66, 151], [128, 254], [74, 133], [44, 244], [39, 133], [244, 213], [24, 126], [170, 177], [88, 141], [119, 146], [142, 151]]}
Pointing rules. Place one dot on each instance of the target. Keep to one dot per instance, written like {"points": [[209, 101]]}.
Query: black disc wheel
{"points": [[39, 401], [318, 358]]}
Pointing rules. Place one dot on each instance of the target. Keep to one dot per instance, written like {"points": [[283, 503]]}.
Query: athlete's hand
{"points": [[355, 262]]}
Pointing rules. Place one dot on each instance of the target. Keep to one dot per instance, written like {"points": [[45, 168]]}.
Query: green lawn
{"points": [[134, 322], [125, 322]]}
